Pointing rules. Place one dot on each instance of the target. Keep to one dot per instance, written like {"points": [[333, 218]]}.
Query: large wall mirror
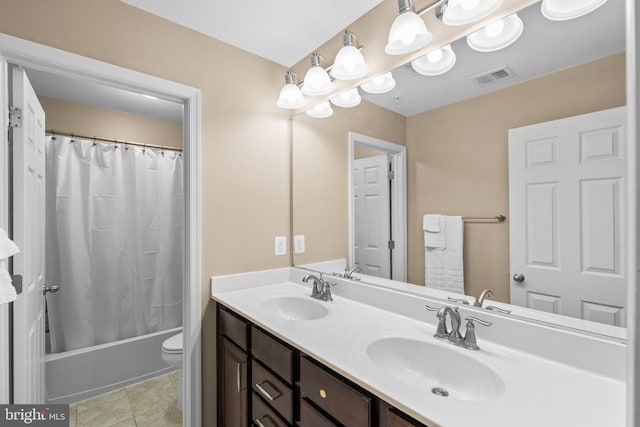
{"points": [[447, 137]]}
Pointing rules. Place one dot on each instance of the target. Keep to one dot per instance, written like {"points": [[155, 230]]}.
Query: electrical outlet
{"points": [[281, 245], [298, 244]]}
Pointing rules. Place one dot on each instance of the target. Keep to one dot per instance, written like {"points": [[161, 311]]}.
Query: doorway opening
{"points": [[377, 207], [38, 57]]}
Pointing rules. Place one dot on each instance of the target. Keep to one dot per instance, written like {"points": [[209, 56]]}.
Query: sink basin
{"points": [[294, 308], [435, 368]]}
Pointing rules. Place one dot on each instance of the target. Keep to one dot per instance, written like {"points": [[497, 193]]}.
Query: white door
{"points": [[371, 210], [28, 233], [566, 201]]}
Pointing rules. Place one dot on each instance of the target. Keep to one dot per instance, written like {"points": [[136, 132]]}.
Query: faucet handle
{"points": [[429, 308], [472, 319], [326, 292], [498, 309], [469, 340], [459, 300]]}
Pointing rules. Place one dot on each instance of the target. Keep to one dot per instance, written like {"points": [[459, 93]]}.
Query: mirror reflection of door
{"points": [[372, 215], [566, 193]]}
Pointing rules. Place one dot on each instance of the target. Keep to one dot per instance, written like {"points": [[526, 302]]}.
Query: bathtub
{"points": [[80, 374]]}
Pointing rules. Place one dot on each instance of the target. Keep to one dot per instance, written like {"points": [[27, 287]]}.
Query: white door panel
{"points": [[371, 208], [28, 233], [566, 201]]}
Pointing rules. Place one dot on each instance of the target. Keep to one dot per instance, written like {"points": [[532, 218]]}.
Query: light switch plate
{"points": [[281, 245], [298, 244]]}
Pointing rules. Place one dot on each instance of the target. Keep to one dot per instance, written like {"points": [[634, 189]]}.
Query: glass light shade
{"points": [[408, 33], [380, 84], [317, 82], [349, 64], [462, 12], [290, 97], [320, 111], [496, 35], [436, 62], [347, 99], [562, 10]]}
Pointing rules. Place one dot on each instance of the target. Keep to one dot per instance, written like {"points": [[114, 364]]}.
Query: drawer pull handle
{"points": [[259, 422], [263, 391], [323, 393]]}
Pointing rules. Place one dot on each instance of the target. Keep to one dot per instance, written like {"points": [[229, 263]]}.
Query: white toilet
{"points": [[172, 355]]}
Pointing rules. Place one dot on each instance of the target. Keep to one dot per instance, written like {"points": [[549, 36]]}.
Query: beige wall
{"points": [[458, 164], [245, 137], [86, 120], [320, 174]]}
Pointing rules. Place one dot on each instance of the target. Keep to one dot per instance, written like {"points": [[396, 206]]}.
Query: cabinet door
{"points": [[394, 420], [233, 387], [391, 417]]}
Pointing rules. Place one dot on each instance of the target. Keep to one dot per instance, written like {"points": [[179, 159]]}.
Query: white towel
{"points": [[431, 223], [444, 267], [435, 228], [7, 249]]}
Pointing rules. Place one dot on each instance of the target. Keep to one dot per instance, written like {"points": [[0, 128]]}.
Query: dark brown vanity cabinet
{"points": [[265, 382], [233, 370]]}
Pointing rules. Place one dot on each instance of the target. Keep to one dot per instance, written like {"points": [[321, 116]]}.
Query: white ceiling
{"points": [[98, 95], [544, 47], [283, 31]]}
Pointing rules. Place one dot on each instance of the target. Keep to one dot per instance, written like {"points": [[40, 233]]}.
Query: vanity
{"points": [[369, 358]]}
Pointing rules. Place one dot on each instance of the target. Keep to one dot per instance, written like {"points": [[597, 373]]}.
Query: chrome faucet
{"points": [[483, 295], [321, 288], [348, 274], [454, 337]]}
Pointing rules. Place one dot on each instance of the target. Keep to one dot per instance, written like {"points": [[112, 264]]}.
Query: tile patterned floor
{"points": [[149, 403]]}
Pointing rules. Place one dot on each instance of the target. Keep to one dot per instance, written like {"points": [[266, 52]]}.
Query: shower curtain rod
{"points": [[111, 140]]}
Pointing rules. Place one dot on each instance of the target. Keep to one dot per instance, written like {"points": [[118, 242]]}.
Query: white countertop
{"points": [[538, 391]]}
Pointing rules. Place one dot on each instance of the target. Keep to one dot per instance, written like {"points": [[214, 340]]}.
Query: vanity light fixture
{"points": [[349, 98], [462, 12], [436, 62], [380, 84], [497, 35], [562, 10], [320, 111], [349, 63], [317, 80], [290, 95], [408, 31]]}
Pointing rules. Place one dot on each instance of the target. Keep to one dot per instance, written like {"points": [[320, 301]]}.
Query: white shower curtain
{"points": [[114, 241]]}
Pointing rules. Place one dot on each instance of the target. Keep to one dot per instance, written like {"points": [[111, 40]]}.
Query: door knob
{"points": [[518, 277], [53, 289]]}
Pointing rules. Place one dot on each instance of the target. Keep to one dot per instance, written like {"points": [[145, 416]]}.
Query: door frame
{"points": [[398, 199], [632, 16], [34, 55]]}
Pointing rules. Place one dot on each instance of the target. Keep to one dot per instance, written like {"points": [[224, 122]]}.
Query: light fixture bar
{"points": [[432, 6]]}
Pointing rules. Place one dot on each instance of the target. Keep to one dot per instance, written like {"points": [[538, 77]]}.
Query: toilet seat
{"points": [[173, 345]]}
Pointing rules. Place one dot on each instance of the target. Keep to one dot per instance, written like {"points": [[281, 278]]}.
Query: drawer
{"points": [[343, 402], [272, 353], [310, 417], [233, 328], [263, 416], [395, 420], [273, 391]]}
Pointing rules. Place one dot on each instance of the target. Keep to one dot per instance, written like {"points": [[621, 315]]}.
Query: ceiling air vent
{"points": [[492, 76]]}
